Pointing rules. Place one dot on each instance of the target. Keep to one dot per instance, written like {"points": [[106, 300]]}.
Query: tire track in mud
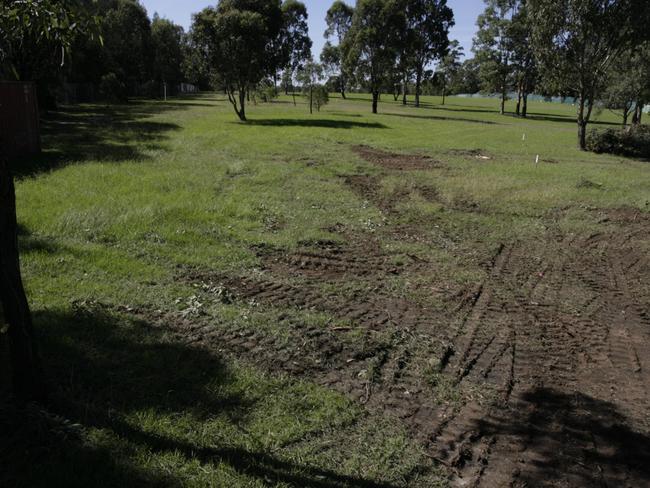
{"points": [[560, 362], [546, 355]]}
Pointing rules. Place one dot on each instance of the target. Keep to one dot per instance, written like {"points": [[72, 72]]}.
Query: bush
{"points": [[319, 96], [265, 92], [112, 88], [151, 89], [632, 141]]}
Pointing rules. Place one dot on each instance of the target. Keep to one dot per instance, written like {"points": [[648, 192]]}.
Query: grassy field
{"points": [[140, 223]]}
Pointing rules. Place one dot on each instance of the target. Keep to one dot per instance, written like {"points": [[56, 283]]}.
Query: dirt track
{"points": [[543, 368]]}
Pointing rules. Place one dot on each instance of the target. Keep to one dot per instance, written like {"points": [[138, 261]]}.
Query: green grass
{"points": [[125, 198]]}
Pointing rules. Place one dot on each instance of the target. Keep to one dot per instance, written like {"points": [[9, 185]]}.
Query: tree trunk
{"points": [[503, 100], [524, 108], [418, 87], [405, 88], [26, 370], [375, 101], [638, 113], [311, 99], [342, 83], [583, 120], [444, 89], [243, 95], [626, 114], [519, 97]]}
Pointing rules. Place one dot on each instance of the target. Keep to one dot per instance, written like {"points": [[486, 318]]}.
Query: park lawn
{"points": [[128, 201]]}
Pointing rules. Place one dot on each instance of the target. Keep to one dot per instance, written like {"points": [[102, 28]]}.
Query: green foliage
{"points": [[128, 44], [633, 141], [167, 40], [493, 46], [316, 95], [576, 41], [36, 36], [426, 37], [112, 88], [265, 92], [239, 40], [372, 45]]}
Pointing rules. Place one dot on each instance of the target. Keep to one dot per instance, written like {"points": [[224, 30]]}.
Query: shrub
{"points": [[112, 88], [319, 96], [632, 141], [265, 92]]}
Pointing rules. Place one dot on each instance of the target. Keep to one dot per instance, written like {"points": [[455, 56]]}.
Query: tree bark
{"points": [[524, 109], [638, 113], [243, 95], [418, 87], [503, 101], [405, 88], [519, 97], [444, 89], [375, 101], [583, 120], [26, 369]]}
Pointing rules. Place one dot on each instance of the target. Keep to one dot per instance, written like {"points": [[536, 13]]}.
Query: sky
{"points": [[180, 11]]}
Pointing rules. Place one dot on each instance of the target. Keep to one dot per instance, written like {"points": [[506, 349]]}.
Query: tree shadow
{"points": [[563, 118], [111, 133], [28, 242], [575, 440], [322, 123], [104, 368], [447, 119]]}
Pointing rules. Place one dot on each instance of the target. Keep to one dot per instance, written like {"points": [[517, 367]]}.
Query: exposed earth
{"points": [[543, 367]]}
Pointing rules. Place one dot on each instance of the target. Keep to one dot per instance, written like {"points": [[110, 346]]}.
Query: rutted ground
{"points": [[537, 376]]}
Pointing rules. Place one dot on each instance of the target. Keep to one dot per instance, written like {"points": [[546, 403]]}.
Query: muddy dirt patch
{"points": [[395, 161], [329, 261]]}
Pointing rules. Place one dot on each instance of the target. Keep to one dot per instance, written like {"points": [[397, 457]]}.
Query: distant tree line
{"points": [[595, 51], [130, 54]]}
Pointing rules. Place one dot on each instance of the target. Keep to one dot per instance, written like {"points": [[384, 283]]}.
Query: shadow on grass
{"points": [[29, 242], [447, 119], [322, 123], [575, 440], [562, 118], [99, 133], [106, 369]]}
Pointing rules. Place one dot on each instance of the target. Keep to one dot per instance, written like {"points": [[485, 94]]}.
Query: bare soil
{"points": [[394, 161], [538, 376]]}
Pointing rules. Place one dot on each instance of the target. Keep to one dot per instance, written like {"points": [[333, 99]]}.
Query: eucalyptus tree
{"points": [[576, 42], [339, 22], [426, 36], [524, 66], [239, 40], [493, 47], [449, 66], [371, 46], [51, 25], [293, 44], [167, 42]]}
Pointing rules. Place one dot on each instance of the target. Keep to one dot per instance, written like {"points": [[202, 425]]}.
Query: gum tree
{"points": [[239, 40], [427, 27], [339, 21], [371, 46], [576, 41]]}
